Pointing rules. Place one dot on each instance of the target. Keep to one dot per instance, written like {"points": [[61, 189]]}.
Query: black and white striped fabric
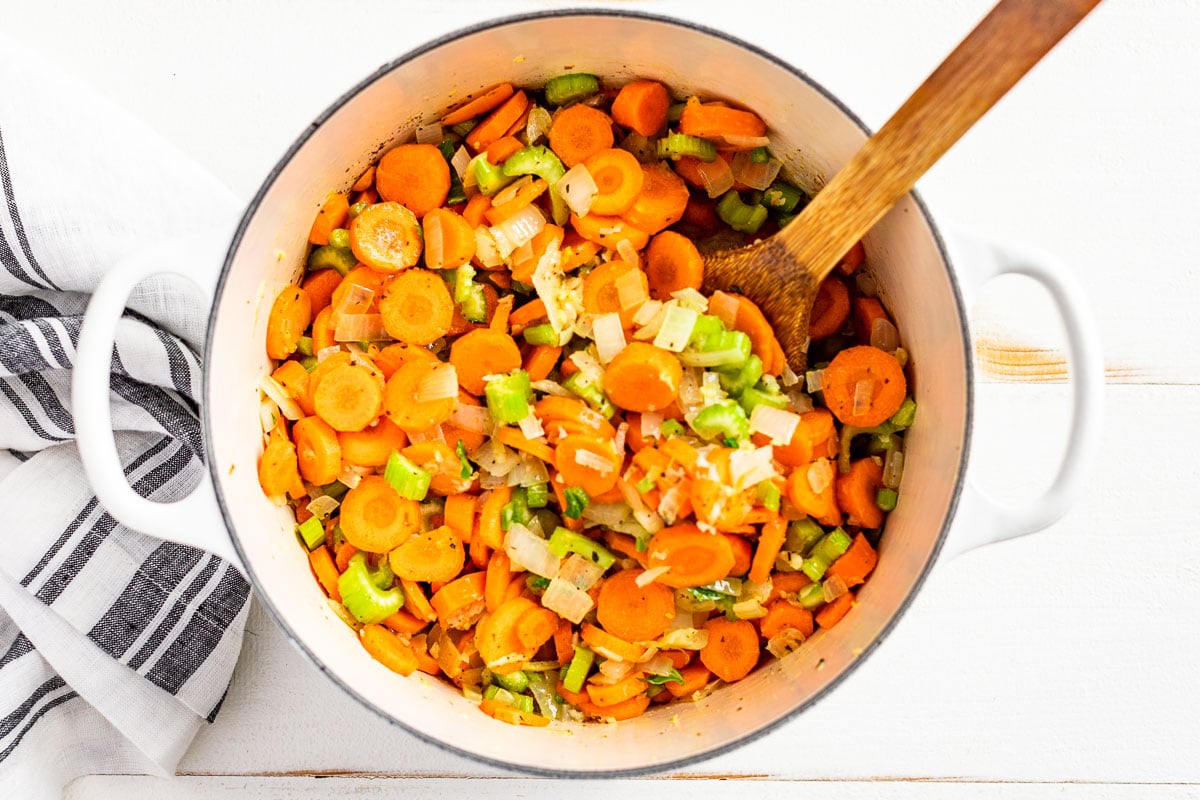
{"points": [[114, 647]]}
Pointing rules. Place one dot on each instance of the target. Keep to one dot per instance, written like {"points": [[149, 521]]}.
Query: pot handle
{"points": [[982, 519], [196, 519]]}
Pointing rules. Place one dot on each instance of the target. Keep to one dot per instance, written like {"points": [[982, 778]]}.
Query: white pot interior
{"points": [[814, 137]]}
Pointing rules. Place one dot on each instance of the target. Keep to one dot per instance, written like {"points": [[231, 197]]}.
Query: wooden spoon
{"points": [[782, 273]]}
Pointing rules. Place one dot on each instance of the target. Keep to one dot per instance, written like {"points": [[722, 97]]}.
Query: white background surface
{"points": [[1068, 657]]}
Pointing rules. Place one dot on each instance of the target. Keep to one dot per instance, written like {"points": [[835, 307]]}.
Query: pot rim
{"points": [[207, 422]]}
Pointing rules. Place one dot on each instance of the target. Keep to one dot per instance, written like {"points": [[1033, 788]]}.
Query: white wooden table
{"points": [[1060, 665]]}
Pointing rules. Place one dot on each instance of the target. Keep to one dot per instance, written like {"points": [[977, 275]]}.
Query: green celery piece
{"points": [[577, 501], [543, 334], [537, 583], [312, 533], [340, 237], [410, 481], [906, 415], [515, 510], [508, 396], [515, 682], [644, 485], [523, 702], [490, 178], [754, 396], [811, 596], [675, 111], [802, 535], [540, 161], [358, 208], [564, 541], [577, 670], [464, 279], [886, 499], [585, 389], [724, 418], [537, 495], [362, 597], [330, 257], [678, 145], [465, 469], [304, 346], [736, 379], [706, 326], [760, 155], [738, 215], [474, 308], [768, 495], [782, 197], [563, 89], [671, 427], [309, 363]]}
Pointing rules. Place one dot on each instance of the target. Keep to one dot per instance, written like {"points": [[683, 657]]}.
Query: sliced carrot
{"points": [[588, 462], [386, 237], [527, 315], [401, 397], [643, 377], [600, 293], [695, 558], [417, 307], [487, 101], [820, 504], [609, 231], [541, 360], [489, 517], [460, 514], [695, 677], [290, 315], [518, 125], [441, 461], [672, 263], [788, 583], [341, 300], [611, 646], [322, 330], [294, 379], [459, 603], [856, 491], [636, 613], [499, 320], [405, 623], [853, 259], [875, 377], [866, 311], [348, 397], [333, 214], [563, 634], [415, 600], [371, 446], [715, 505], [478, 551], [319, 286], [497, 578], [387, 648], [425, 662], [743, 554], [577, 251], [856, 563], [449, 239], [579, 132], [626, 545], [642, 106], [365, 181], [626, 709], [376, 519], [809, 440], [680, 452], [415, 175], [536, 627], [770, 542], [551, 408], [477, 206], [522, 198], [712, 121], [511, 714], [471, 439], [516, 440], [499, 150], [496, 636], [326, 572], [662, 202], [830, 309], [610, 694], [751, 321], [394, 356], [732, 649], [618, 177], [317, 450], [483, 352], [782, 614], [497, 123], [435, 555], [832, 613]]}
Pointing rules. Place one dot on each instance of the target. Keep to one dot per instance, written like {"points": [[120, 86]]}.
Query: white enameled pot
{"points": [[814, 134]]}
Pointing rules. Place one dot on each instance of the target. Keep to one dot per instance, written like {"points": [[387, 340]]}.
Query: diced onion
{"points": [[430, 134], [650, 328], [754, 175], [606, 514], [537, 124], [326, 352], [776, 424], [580, 572], [529, 471], [691, 298], [690, 393], [649, 309], [609, 335], [676, 328], [268, 414], [893, 469], [716, 177], [470, 418], [518, 229], [866, 284], [549, 387], [355, 301], [833, 588], [820, 475], [749, 609], [863, 390], [321, 507], [684, 639], [438, 384], [434, 434], [710, 388], [587, 363], [531, 426], [567, 600], [814, 380], [274, 390], [578, 189], [510, 192], [619, 439], [659, 665], [651, 424], [787, 377], [649, 576], [459, 161], [494, 458], [586, 458], [611, 671], [788, 640], [486, 250], [724, 307], [799, 402], [629, 255], [530, 552], [746, 142], [750, 467], [351, 476], [668, 506], [884, 335]]}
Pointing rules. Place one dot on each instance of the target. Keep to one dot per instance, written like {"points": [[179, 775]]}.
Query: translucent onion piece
{"points": [[724, 307], [799, 402], [658, 665], [814, 380], [434, 434], [651, 424], [580, 572], [893, 469], [268, 414], [486, 250], [749, 609], [691, 298], [537, 124], [668, 506], [549, 387], [529, 471], [643, 149], [786, 641], [866, 284], [360, 328], [430, 134], [355, 301], [530, 552], [649, 520], [649, 309], [833, 588], [518, 229], [654, 324], [629, 254], [274, 390], [863, 391], [710, 388], [567, 600], [321, 507], [459, 161], [716, 177], [531, 426], [494, 458], [756, 176], [471, 693], [820, 475], [326, 352], [689, 387], [510, 192], [684, 639], [751, 467], [884, 335], [613, 671], [787, 377], [676, 328], [489, 481], [351, 476], [776, 424], [609, 335], [619, 439], [438, 384], [578, 189], [649, 576], [470, 418], [606, 514], [588, 364]]}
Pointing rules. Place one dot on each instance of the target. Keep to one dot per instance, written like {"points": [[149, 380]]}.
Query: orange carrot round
{"points": [[348, 398], [333, 214], [695, 677], [626, 709], [449, 239], [376, 519], [600, 293], [643, 378], [536, 627], [856, 492], [611, 646], [881, 375], [713, 121], [662, 202], [609, 231], [294, 379], [832, 613], [830, 309], [551, 408], [618, 177], [636, 613], [400, 397], [483, 352], [577, 469], [821, 503], [394, 356], [743, 554], [642, 106], [672, 263], [511, 714], [579, 132], [371, 446], [460, 602], [782, 614], [695, 558], [751, 321], [732, 648], [319, 286], [278, 473], [416, 307], [415, 175], [388, 649], [459, 514], [386, 237], [809, 440], [317, 451], [496, 636], [540, 361], [435, 555], [290, 315], [610, 694], [854, 565], [479, 105], [322, 330]]}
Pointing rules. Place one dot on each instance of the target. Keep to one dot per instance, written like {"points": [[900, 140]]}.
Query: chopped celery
{"points": [[760, 155], [312, 532], [491, 178], [465, 468], [358, 208], [824, 553], [410, 481], [736, 379], [755, 395], [738, 215], [523, 702], [706, 326], [474, 308], [537, 495], [329, 257], [671, 427], [339, 237], [304, 346], [541, 334], [463, 128], [577, 501], [644, 485], [768, 495], [515, 682], [586, 389], [515, 510], [563, 541], [782, 197], [727, 348], [508, 396], [811, 596], [802, 535], [577, 670], [362, 596], [885, 498], [540, 161], [724, 418], [675, 111], [464, 279], [309, 363], [906, 414], [677, 145], [563, 89]]}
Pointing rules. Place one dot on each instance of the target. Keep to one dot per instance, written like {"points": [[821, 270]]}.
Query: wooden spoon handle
{"points": [[984, 66]]}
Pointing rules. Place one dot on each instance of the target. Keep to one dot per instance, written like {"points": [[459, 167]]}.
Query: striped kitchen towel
{"points": [[114, 647]]}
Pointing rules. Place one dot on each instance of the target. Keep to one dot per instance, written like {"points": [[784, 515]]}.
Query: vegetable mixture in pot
{"points": [[527, 453]]}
